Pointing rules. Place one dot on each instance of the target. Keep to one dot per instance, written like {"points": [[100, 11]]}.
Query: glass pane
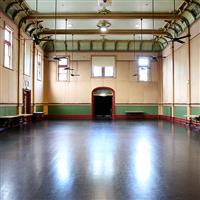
{"points": [[27, 59], [62, 61], [6, 49], [39, 59], [7, 61], [143, 73], [39, 66], [7, 35], [27, 70], [97, 71], [61, 70], [39, 75], [143, 61], [108, 71], [62, 77]]}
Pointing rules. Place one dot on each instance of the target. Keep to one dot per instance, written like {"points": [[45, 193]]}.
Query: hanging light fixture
{"points": [[67, 67], [73, 74], [134, 56], [104, 3], [103, 25]]}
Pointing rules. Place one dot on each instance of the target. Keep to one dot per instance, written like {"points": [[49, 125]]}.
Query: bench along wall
{"points": [[181, 82], [73, 98], [12, 81]]}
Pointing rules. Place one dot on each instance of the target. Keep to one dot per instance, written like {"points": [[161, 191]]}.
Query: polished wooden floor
{"points": [[100, 160]]}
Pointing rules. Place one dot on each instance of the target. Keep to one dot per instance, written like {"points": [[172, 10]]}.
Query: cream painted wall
{"points": [[9, 78], [195, 69], [167, 80], [181, 69], [79, 89], [181, 74]]}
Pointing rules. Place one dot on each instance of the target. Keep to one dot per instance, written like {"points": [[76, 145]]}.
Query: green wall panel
{"points": [[180, 111], [87, 110], [8, 110], [121, 109], [39, 108], [69, 109], [195, 110], [167, 110]]}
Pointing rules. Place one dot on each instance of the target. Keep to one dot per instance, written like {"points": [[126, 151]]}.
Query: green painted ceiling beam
{"points": [[112, 15], [97, 32]]}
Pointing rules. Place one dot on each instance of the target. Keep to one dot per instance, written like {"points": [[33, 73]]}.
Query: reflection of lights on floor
{"points": [[63, 170], [102, 166], [6, 190], [63, 166], [142, 160], [102, 150]]}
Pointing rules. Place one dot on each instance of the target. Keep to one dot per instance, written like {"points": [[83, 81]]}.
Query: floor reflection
{"points": [[101, 156], [63, 168], [143, 163]]}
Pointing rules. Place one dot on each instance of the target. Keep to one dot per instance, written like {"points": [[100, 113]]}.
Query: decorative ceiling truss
{"points": [[96, 32], [113, 15], [103, 45]]}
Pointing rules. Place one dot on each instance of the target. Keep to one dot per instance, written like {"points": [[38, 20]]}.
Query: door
{"points": [[103, 103], [103, 106], [26, 101]]}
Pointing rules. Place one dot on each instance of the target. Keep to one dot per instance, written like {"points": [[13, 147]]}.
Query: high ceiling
{"points": [[48, 6], [146, 20], [77, 6]]}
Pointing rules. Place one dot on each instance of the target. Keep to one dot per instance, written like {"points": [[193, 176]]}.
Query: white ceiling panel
{"points": [[92, 5], [100, 37], [92, 24]]}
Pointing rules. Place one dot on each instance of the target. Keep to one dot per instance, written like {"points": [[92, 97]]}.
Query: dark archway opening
{"points": [[103, 107], [103, 103]]}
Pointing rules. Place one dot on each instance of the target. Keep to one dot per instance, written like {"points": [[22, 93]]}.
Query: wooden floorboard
{"points": [[95, 160]]}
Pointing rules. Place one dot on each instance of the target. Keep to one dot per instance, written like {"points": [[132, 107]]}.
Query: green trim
{"points": [[39, 108], [8, 110], [69, 109], [167, 110], [86, 109], [180, 111], [120, 110], [195, 110]]}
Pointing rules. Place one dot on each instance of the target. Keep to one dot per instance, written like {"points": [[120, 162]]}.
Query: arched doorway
{"points": [[103, 103]]}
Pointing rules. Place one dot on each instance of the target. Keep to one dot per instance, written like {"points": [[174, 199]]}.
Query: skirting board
{"points": [[89, 117], [178, 120]]}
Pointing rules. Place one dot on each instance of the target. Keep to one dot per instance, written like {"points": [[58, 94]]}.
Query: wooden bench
{"points": [[10, 121], [192, 118], [38, 116], [27, 118], [134, 114]]}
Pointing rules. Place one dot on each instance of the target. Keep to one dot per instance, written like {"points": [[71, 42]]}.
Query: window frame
{"points": [[67, 71], [39, 66], [25, 57], [148, 67], [10, 47], [103, 67]]}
